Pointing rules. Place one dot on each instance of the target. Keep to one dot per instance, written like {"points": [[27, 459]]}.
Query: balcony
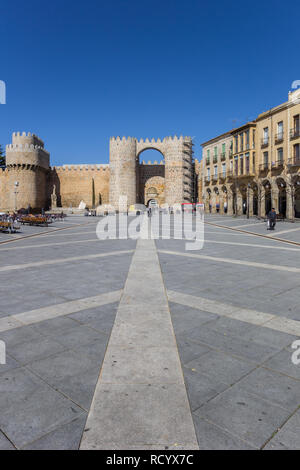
{"points": [[207, 179], [246, 174], [294, 162], [294, 133], [264, 143], [278, 138], [278, 165], [215, 160], [214, 178], [223, 156], [230, 153], [264, 166], [222, 177], [208, 161]]}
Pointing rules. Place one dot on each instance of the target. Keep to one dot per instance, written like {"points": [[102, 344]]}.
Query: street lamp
{"points": [[16, 193]]}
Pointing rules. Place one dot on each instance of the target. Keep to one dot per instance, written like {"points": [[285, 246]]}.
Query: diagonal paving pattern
{"points": [[226, 382], [140, 399]]}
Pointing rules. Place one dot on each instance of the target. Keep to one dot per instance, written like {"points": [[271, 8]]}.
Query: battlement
{"points": [[27, 138], [96, 167], [26, 147], [123, 139], [152, 163], [151, 141], [174, 138]]}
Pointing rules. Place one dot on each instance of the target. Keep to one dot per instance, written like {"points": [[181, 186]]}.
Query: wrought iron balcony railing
{"points": [[294, 133], [279, 138], [264, 143], [264, 166], [294, 161]]}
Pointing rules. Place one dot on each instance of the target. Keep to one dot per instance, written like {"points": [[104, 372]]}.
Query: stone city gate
{"points": [[126, 173]]}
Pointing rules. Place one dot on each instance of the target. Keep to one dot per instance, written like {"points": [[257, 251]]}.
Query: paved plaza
{"points": [[141, 344]]}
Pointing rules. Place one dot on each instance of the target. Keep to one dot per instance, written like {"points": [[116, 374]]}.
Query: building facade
{"points": [[256, 166]]}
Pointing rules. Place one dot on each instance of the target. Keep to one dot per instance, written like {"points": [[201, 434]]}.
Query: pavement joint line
{"points": [[63, 260], [217, 259], [120, 413], [44, 233], [269, 237], [52, 244], [254, 317], [254, 245], [279, 429], [57, 310], [244, 225]]}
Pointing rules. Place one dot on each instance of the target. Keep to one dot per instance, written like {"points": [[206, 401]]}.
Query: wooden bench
{"points": [[34, 220], [6, 226]]}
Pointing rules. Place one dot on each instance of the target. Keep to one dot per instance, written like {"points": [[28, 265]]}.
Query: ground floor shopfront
{"points": [[255, 197]]}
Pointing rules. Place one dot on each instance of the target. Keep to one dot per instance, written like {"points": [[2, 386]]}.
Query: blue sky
{"points": [[80, 72]]}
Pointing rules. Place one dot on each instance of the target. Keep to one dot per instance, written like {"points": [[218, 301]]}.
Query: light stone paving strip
{"points": [[284, 231], [63, 260], [285, 325], [253, 245], [253, 264], [140, 400], [57, 310]]}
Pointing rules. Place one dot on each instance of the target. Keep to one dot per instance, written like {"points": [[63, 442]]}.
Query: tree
{"points": [[2, 157]]}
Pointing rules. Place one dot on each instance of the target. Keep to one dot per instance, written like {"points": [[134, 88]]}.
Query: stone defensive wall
{"points": [[76, 183]]}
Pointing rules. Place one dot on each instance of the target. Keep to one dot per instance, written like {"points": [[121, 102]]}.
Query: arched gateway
{"points": [[129, 178]]}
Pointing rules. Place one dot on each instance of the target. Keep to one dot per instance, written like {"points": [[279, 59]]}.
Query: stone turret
{"points": [[123, 170], [27, 163]]}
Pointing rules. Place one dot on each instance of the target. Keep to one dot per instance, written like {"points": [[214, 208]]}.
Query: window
{"points": [[236, 144], [236, 165], [208, 154], [296, 123], [253, 139], [224, 169], [208, 174], [280, 130], [215, 170], [253, 159], [241, 142], [266, 159], [266, 136], [297, 152], [247, 139], [280, 155], [247, 167], [216, 151], [241, 164]]}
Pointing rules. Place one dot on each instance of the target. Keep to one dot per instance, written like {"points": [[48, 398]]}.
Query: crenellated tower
{"points": [[27, 163], [123, 170]]}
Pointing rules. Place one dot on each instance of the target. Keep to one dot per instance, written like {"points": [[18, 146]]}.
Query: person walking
{"points": [[271, 219]]}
